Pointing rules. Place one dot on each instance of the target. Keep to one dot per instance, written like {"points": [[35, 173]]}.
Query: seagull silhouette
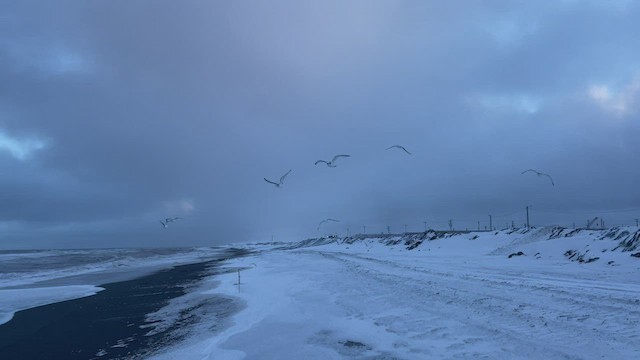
{"points": [[164, 224], [278, 184], [332, 162], [399, 147], [326, 220], [540, 174]]}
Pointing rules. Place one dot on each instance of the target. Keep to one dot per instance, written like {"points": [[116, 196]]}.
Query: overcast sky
{"points": [[115, 114]]}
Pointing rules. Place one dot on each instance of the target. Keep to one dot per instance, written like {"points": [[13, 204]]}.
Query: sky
{"points": [[116, 114]]}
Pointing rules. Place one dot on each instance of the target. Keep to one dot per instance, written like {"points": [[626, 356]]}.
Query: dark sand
{"points": [[108, 323]]}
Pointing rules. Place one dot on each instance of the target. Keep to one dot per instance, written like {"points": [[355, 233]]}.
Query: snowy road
{"points": [[385, 304]]}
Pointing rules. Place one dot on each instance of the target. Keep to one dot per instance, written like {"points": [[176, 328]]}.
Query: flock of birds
{"points": [[332, 164]]}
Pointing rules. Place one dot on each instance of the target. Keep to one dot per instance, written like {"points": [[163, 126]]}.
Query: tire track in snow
{"points": [[541, 316]]}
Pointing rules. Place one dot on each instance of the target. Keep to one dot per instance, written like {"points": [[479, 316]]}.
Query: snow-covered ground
{"points": [[449, 296]]}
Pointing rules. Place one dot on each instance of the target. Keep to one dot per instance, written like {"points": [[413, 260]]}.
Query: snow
{"points": [[14, 300], [451, 296]]}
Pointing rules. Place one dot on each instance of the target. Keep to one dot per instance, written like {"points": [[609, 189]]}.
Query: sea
{"points": [[109, 303]]}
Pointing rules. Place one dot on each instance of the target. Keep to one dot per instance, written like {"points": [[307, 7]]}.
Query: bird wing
{"points": [[320, 161], [405, 150], [399, 147], [284, 176], [326, 220], [176, 218], [526, 171], [339, 156], [270, 182], [163, 224], [550, 178]]}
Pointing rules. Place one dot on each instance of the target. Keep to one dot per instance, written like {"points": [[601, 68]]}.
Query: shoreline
{"points": [[111, 324]]}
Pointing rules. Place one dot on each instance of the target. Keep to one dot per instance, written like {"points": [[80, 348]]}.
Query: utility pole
{"points": [[364, 229], [478, 225], [405, 228], [490, 223], [637, 222], [348, 232], [527, 217], [425, 226], [513, 225], [450, 225], [388, 229]]}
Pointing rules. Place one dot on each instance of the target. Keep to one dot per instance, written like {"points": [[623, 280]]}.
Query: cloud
{"points": [[511, 31], [179, 207], [190, 104], [518, 103], [621, 102], [20, 148], [49, 60], [61, 61]]}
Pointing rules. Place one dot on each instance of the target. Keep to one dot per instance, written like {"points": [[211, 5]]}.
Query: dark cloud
{"points": [[153, 109]]}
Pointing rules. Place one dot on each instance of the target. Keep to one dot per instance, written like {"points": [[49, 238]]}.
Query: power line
{"points": [[592, 211]]}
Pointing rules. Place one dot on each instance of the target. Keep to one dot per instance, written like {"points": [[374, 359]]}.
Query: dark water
{"points": [[44, 264], [108, 324]]}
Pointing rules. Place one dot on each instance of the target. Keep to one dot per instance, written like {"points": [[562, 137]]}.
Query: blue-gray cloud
{"points": [[115, 114]]}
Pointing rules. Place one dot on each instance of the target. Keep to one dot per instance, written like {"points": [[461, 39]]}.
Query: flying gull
{"points": [[332, 162], [399, 147], [278, 184], [540, 174], [168, 220], [326, 220], [164, 224]]}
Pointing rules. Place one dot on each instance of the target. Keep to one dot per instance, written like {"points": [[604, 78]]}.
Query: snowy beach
{"points": [[127, 311], [451, 297], [366, 180]]}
